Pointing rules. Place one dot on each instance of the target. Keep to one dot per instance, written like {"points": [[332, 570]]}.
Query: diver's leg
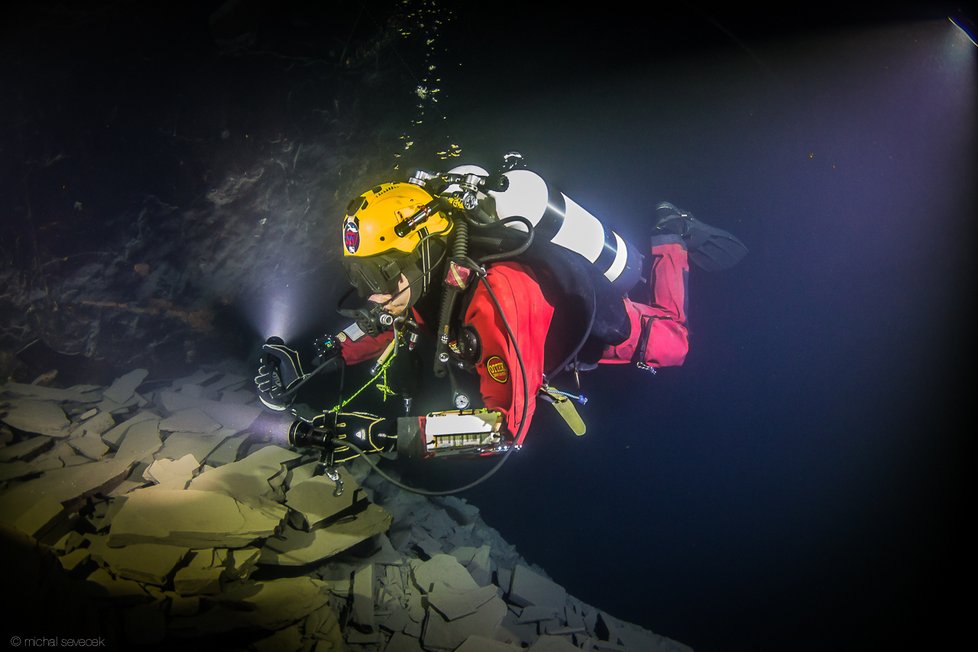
{"points": [[658, 337]]}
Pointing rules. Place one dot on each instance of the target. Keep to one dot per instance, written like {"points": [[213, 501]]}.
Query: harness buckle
{"points": [[644, 367]]}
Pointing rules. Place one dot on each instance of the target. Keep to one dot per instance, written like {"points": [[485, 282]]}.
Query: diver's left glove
{"points": [[280, 369], [343, 436]]}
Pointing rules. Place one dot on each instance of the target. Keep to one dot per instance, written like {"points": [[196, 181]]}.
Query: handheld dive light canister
{"points": [[560, 219]]}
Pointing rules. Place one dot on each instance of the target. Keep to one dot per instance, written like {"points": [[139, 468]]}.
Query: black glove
{"points": [[328, 350], [279, 371], [332, 433]]}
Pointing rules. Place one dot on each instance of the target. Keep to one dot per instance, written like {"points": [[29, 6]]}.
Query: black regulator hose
{"points": [[459, 250], [512, 253]]}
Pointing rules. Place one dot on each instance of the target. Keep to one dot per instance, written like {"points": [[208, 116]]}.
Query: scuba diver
{"points": [[515, 284]]}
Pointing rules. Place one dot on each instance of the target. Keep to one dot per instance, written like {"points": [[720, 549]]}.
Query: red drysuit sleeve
{"points": [[528, 314], [364, 347]]}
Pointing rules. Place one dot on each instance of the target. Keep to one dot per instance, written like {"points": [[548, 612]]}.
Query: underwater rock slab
{"points": [[298, 548], [189, 420], [315, 500], [76, 394], [90, 446], [103, 584], [477, 643], [172, 474], [442, 570], [179, 444], [558, 644], [271, 605], [34, 505], [36, 416], [95, 425], [228, 415], [632, 637], [140, 441], [247, 479], [148, 563], [114, 436], [16, 469], [228, 450], [241, 562], [362, 612], [452, 604], [238, 396], [477, 561], [195, 519], [123, 388], [530, 588], [401, 642], [204, 571], [23, 448], [441, 634]]}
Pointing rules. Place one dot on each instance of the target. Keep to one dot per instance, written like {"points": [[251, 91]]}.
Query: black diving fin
{"points": [[709, 247]]}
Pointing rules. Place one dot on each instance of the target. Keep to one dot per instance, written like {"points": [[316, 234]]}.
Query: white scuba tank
{"points": [[564, 222]]}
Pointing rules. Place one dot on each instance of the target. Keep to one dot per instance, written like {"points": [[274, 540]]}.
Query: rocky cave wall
{"points": [[169, 171]]}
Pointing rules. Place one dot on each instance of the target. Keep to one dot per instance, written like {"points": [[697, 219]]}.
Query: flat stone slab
{"points": [[40, 417], [530, 588], [90, 446], [23, 448], [298, 548], [229, 415], [476, 643], [76, 394], [442, 570], [33, 505], [247, 478], [189, 420], [195, 519], [96, 424], [123, 388], [441, 634], [558, 644], [271, 605], [149, 563], [16, 469], [199, 445], [172, 474], [314, 498], [140, 441], [453, 605]]}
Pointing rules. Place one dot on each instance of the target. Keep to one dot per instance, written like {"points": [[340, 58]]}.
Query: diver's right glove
{"points": [[343, 436], [279, 371]]}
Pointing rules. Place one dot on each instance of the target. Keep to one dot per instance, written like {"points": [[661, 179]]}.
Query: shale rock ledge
{"points": [[149, 515]]}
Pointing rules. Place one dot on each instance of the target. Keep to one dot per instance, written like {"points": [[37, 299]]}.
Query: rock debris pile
{"points": [[168, 518]]}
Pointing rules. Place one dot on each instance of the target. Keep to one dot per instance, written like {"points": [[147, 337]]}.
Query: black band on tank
{"points": [[553, 216], [608, 252]]}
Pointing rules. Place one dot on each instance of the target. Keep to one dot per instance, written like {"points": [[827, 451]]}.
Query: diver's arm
{"points": [[356, 346]]}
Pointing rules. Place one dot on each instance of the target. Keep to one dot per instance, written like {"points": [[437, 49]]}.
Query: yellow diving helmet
{"points": [[390, 230]]}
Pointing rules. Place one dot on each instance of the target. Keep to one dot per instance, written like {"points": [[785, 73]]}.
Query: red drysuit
{"points": [[529, 314]]}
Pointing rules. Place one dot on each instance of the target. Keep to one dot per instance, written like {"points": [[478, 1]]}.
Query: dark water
{"points": [[801, 482]]}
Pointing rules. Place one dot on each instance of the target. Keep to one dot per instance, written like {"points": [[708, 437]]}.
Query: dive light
{"points": [[304, 435]]}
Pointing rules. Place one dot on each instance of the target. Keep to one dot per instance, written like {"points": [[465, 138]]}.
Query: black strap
{"points": [[638, 356]]}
